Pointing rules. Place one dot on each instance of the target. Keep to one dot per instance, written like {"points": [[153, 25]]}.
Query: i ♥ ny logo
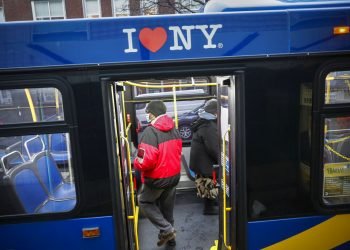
{"points": [[154, 39], [180, 37]]}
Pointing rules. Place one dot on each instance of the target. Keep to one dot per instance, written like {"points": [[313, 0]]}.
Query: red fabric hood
{"points": [[163, 123]]}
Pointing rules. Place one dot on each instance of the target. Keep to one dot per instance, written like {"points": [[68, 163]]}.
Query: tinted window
{"points": [[30, 105], [337, 87], [36, 174], [336, 167]]}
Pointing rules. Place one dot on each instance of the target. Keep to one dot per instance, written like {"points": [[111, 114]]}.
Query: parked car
{"points": [[185, 120], [186, 109]]}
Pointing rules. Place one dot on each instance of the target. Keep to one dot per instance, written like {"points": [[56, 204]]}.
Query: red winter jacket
{"points": [[159, 154]]}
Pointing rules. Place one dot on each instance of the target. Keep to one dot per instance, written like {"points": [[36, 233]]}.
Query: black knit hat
{"points": [[211, 106], [156, 108]]}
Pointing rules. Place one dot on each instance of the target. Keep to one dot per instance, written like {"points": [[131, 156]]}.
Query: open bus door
{"points": [[232, 165], [125, 211]]}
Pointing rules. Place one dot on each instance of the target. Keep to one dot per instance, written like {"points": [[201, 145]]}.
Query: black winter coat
{"points": [[204, 147]]}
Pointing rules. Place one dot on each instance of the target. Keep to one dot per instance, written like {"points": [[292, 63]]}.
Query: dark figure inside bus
{"points": [[204, 155], [158, 159]]}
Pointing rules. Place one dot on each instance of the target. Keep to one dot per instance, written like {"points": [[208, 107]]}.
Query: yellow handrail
{"points": [[127, 130], [337, 153], [329, 141], [328, 95], [57, 103], [31, 105], [135, 209], [155, 86], [225, 209], [173, 86], [124, 112]]}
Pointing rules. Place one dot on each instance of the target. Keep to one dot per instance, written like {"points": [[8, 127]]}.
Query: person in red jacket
{"points": [[159, 160]]}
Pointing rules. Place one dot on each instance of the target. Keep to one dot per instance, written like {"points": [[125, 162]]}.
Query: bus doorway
{"points": [[124, 208], [125, 103]]}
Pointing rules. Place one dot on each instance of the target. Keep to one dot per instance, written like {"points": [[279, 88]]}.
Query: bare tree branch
{"points": [[151, 7]]}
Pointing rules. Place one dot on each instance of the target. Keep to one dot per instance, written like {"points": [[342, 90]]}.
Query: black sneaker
{"points": [[165, 238]]}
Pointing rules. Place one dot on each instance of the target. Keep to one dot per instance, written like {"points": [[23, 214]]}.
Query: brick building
{"points": [[24, 10]]}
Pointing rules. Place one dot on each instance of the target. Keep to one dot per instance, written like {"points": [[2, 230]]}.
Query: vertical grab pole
{"points": [[328, 89], [124, 112], [175, 108], [328, 98], [31, 105], [57, 103], [225, 209], [135, 210]]}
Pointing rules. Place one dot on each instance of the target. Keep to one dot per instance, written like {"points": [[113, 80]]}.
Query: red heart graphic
{"points": [[153, 40]]}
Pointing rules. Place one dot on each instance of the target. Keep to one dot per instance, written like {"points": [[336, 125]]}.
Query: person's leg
{"points": [[147, 202], [167, 203]]}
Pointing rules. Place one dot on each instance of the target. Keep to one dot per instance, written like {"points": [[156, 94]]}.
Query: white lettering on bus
{"points": [[182, 37], [130, 44], [187, 42], [208, 36]]}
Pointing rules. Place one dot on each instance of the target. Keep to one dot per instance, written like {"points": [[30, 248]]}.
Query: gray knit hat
{"points": [[211, 106], [156, 108]]}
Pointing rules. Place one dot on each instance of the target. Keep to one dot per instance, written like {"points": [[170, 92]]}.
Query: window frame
{"points": [[155, 9], [321, 112], [116, 13], [190, 6], [2, 15], [31, 128], [50, 17], [86, 15], [45, 101]]}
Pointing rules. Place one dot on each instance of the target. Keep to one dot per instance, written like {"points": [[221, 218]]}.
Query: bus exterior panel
{"points": [[116, 41], [277, 49], [59, 234]]}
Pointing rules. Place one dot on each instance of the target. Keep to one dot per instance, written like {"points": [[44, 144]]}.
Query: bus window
{"points": [[36, 175], [30, 105], [336, 167], [337, 86]]}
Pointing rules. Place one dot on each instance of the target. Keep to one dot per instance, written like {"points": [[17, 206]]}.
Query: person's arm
{"points": [[147, 153], [211, 142]]}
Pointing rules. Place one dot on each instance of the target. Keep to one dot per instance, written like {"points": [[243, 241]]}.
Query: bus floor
{"points": [[193, 229]]}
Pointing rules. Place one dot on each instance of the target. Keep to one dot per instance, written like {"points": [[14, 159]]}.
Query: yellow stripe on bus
{"points": [[326, 235]]}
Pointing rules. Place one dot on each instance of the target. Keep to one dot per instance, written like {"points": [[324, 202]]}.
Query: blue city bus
{"points": [[72, 94]]}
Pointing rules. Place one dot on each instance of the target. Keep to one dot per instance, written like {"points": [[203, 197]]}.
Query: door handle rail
{"points": [[135, 209], [225, 209]]}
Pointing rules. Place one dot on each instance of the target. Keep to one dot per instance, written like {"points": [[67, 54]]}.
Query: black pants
{"points": [[158, 206]]}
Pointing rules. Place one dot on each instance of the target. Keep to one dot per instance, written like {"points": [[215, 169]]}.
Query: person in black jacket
{"points": [[205, 148]]}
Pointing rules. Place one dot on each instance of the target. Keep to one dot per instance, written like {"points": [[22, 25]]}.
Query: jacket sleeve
{"points": [[147, 152], [211, 142]]}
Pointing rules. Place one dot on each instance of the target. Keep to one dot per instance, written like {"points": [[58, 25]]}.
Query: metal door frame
{"points": [[237, 207]]}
